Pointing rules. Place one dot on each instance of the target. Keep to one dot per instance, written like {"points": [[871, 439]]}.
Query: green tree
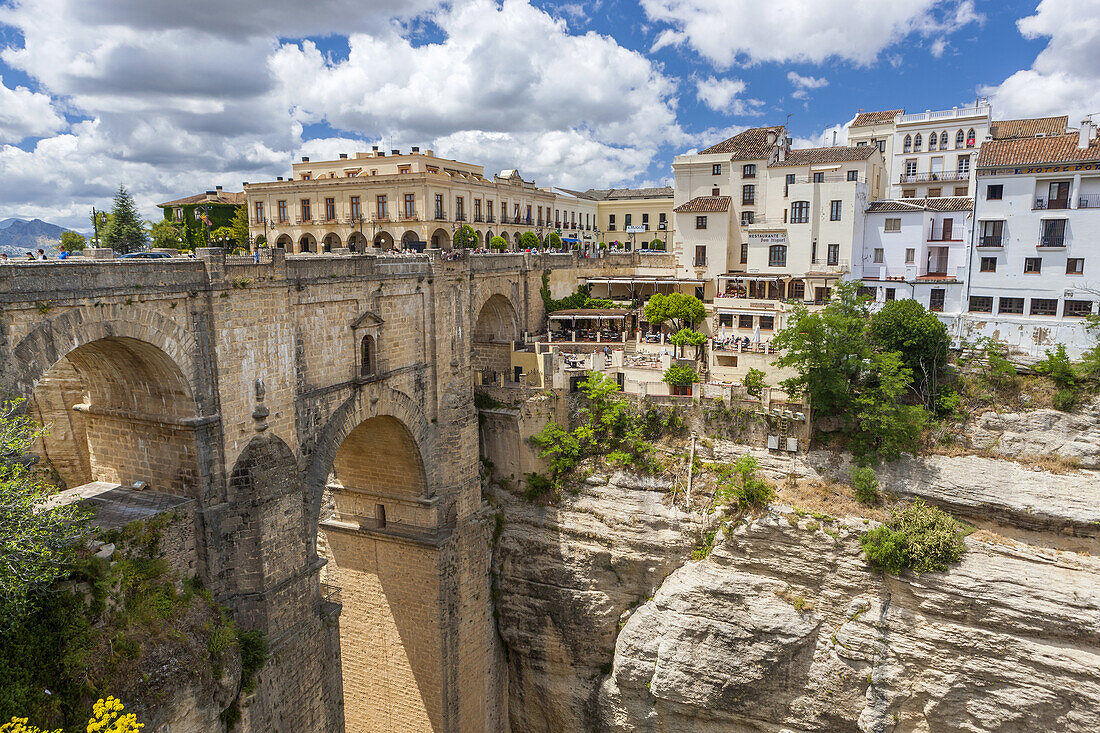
{"points": [[498, 242], [465, 237], [682, 311], [528, 240], [864, 484], [72, 242], [829, 349], [1057, 367], [164, 234], [744, 485], [907, 327], [680, 375], [555, 240], [687, 337], [657, 244], [754, 382], [239, 227], [37, 544], [124, 232], [886, 427]]}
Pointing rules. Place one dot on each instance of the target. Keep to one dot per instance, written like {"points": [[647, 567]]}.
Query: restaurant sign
{"points": [[768, 238]]}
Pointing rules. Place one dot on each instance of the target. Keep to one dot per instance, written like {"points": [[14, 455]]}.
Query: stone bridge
{"points": [[318, 411]]}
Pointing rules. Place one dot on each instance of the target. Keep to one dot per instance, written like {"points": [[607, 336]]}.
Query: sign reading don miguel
{"points": [[768, 237]]}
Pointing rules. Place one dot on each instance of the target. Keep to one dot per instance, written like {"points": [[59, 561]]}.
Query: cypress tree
{"points": [[124, 233]]}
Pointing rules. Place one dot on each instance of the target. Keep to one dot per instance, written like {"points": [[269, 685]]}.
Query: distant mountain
{"points": [[19, 235]]}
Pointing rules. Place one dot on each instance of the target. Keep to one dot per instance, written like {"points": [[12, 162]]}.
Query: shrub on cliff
{"points": [[742, 486], [918, 537], [865, 484]]}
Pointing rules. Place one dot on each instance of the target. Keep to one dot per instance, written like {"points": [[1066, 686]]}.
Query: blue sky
{"points": [[173, 98]]}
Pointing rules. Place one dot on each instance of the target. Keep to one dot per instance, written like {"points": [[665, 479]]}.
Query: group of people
{"points": [[733, 342], [31, 257]]}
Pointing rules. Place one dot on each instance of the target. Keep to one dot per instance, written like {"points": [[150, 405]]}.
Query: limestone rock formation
{"points": [[1042, 433], [783, 627]]}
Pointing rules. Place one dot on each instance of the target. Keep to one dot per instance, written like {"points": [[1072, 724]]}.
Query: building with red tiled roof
{"points": [[220, 207], [817, 156], [866, 119], [702, 204], [1034, 272], [1033, 127], [756, 143]]}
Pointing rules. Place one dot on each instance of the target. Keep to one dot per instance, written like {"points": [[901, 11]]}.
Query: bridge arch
{"points": [[380, 542], [116, 399], [495, 328]]}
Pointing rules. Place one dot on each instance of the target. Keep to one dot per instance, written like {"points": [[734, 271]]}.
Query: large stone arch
{"points": [[307, 243], [331, 241], [496, 324], [440, 239], [383, 240], [51, 340], [374, 399]]}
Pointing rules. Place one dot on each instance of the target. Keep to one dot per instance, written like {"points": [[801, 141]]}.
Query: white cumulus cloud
{"points": [[724, 95], [24, 114], [726, 31]]}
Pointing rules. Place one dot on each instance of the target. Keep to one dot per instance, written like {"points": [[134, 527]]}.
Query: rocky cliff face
{"points": [[608, 624]]}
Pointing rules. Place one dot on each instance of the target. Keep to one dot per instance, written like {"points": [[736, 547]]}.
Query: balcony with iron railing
{"points": [[460, 217], [1043, 203], [828, 178], [829, 266], [439, 215], [938, 234], [991, 241], [1089, 201], [1052, 241], [931, 176]]}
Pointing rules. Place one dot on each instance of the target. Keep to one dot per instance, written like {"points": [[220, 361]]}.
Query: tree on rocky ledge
{"points": [[37, 544], [124, 233], [682, 311]]}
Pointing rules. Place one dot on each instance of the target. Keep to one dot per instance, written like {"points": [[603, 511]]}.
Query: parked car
{"points": [[144, 256]]}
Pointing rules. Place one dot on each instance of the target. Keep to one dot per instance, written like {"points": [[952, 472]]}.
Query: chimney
{"points": [[395, 152], [1085, 133], [381, 153], [416, 148], [219, 188], [374, 148], [279, 178], [834, 138], [343, 156], [305, 159]]}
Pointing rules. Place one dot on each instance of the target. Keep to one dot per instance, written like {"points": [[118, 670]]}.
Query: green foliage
{"points": [[72, 242], [555, 240], [865, 484], [754, 382], [253, 646], [705, 545], [239, 227], [465, 237], [498, 242], [910, 329], [165, 234], [1065, 399], [37, 544], [124, 232], [609, 426], [886, 426], [1057, 367], [657, 244], [529, 240], [579, 299], [850, 377], [918, 537], [680, 375], [742, 486], [949, 403], [682, 311], [687, 337]]}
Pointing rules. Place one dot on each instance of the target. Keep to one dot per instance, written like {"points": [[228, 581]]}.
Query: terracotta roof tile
{"points": [[224, 197], [863, 119], [611, 194], [1035, 150], [752, 144], [1005, 129], [813, 156], [939, 203], [704, 204]]}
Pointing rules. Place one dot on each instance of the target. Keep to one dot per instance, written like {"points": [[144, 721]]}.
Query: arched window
{"points": [[777, 255], [932, 140], [959, 139], [366, 356], [917, 143], [943, 140], [970, 138], [909, 142]]}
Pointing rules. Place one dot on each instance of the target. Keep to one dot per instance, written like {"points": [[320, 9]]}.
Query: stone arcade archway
{"points": [[307, 243], [440, 239], [383, 240], [331, 241], [357, 242], [495, 330], [380, 539]]}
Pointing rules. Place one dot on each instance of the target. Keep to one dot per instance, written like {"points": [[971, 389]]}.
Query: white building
{"points": [[1035, 266], [917, 248], [934, 151], [877, 129], [718, 193]]}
